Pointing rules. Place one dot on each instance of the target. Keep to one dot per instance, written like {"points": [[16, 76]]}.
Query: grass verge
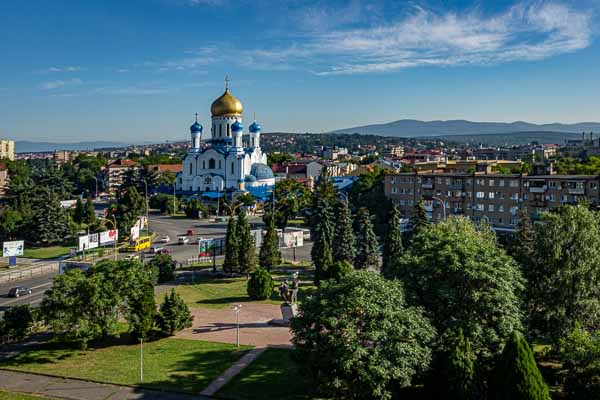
{"points": [[169, 364], [19, 396], [46, 252]]}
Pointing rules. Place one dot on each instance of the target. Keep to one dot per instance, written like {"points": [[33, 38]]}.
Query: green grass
{"points": [[18, 396], [170, 364], [46, 252], [218, 292], [273, 375]]}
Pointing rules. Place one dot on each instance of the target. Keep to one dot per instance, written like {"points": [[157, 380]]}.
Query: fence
{"points": [[29, 272]]}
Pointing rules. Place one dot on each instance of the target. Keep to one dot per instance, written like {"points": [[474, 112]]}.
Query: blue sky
{"points": [[138, 70]]}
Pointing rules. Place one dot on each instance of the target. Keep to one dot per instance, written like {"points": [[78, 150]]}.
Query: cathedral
{"points": [[224, 162]]}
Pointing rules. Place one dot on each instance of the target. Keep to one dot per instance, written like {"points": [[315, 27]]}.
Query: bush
{"points": [[174, 314], [166, 267], [260, 285], [18, 321], [339, 270], [517, 376], [580, 354]]}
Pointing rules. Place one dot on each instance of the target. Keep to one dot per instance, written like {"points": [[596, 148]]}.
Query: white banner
{"points": [[134, 233], [93, 240], [293, 239], [83, 243], [12, 249], [109, 236]]}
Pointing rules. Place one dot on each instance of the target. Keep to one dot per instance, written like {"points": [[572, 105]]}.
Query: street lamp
{"points": [[141, 360], [147, 206], [237, 310], [114, 224], [174, 199], [96, 193], [443, 205]]}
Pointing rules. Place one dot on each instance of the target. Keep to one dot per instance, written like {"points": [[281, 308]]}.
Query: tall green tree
{"points": [[367, 251], [524, 242], [247, 245], [79, 212], [90, 212], [48, 224], [465, 282], [232, 246], [345, 242], [564, 277], [141, 311], [11, 222], [360, 339], [269, 255], [419, 218], [322, 235], [517, 376], [174, 315], [130, 206], [369, 192], [392, 247], [290, 198]]}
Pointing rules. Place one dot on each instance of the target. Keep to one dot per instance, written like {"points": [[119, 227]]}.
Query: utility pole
{"points": [[147, 213], [174, 200]]}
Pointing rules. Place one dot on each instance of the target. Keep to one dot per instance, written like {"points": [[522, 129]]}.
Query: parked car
{"points": [[183, 240], [19, 291], [164, 239], [190, 232], [132, 257], [163, 251], [155, 249]]}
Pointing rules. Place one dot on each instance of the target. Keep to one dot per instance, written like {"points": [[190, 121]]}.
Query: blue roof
{"points": [[261, 171], [212, 195], [196, 127], [254, 127], [260, 193], [237, 126]]}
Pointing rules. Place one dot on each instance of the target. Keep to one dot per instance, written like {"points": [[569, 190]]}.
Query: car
{"points": [[183, 240], [155, 249], [165, 239], [163, 251], [132, 257], [190, 232], [19, 291]]}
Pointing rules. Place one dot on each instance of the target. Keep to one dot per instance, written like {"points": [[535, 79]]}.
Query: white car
{"points": [[164, 239], [183, 240], [155, 249]]}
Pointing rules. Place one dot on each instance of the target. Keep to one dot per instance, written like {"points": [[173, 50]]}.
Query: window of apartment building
{"points": [[190, 168], [514, 196], [564, 198], [394, 190], [393, 180], [593, 185], [480, 195], [480, 182], [514, 221], [491, 182], [501, 183], [401, 202], [409, 202], [552, 197], [469, 181], [500, 221], [491, 195], [479, 207], [439, 181], [525, 196], [500, 195], [552, 184], [514, 183], [490, 207], [419, 180], [514, 210], [500, 208], [448, 181], [524, 210], [449, 193]]}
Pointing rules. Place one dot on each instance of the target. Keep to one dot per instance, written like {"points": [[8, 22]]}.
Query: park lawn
{"points": [[46, 252], [19, 396], [273, 375], [178, 365]]}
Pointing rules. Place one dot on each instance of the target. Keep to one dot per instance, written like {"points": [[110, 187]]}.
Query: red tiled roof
{"points": [[123, 163], [166, 167], [3, 166]]}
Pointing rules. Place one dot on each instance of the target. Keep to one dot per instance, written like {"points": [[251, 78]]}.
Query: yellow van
{"points": [[139, 244]]}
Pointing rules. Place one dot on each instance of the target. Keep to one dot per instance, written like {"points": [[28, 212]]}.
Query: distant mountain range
{"points": [[416, 128], [26, 146]]}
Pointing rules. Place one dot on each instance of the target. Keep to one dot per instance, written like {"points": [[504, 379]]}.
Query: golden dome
{"points": [[226, 105]]}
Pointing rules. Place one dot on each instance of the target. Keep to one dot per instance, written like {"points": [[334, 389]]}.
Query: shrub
{"points": [[18, 321], [580, 353], [174, 314], [166, 267], [339, 270], [517, 376], [260, 285]]}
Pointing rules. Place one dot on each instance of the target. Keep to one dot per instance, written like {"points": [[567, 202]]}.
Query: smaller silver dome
{"points": [[261, 171]]}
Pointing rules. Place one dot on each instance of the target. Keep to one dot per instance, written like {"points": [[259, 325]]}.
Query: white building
{"points": [[223, 163]]}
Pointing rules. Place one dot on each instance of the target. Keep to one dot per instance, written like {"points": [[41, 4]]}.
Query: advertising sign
{"points": [[83, 243], [293, 239], [93, 240], [134, 233], [109, 236], [13, 249]]}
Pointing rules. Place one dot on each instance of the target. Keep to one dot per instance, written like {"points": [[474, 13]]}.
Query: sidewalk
{"points": [[73, 389], [235, 369]]}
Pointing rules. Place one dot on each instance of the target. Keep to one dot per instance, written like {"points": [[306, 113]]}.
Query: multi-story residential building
{"points": [[3, 178], [7, 149], [499, 198], [114, 174], [333, 153], [393, 151]]}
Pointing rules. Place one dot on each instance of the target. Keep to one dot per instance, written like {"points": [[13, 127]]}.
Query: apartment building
{"points": [[7, 149], [114, 174], [499, 198]]}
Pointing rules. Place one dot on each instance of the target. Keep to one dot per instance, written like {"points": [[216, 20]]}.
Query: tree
{"points": [[269, 254], [166, 267], [465, 282], [48, 223], [367, 252], [260, 285], [174, 314], [392, 247], [460, 376], [10, 223], [359, 338], [322, 236], [193, 209], [580, 354], [339, 270], [79, 213], [369, 192], [90, 212], [564, 279], [247, 246], [419, 218], [18, 321], [517, 376], [130, 206], [141, 311], [524, 242], [290, 198], [232, 246], [344, 250]]}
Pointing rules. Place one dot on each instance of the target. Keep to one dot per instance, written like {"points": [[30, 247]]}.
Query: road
{"points": [[38, 285]]}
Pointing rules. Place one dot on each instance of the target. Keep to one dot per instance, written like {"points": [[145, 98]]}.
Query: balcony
{"points": [[576, 190], [538, 189], [427, 185]]}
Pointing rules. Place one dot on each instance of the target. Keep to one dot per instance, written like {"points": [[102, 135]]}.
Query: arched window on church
{"points": [[232, 168], [220, 130], [203, 164], [219, 164], [211, 163], [228, 130], [190, 168]]}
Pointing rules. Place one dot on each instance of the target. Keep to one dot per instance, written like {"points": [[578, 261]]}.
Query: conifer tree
{"points": [[345, 242], [247, 245], [174, 314], [90, 213], [322, 236], [517, 376], [231, 262], [270, 255], [79, 213], [524, 245], [48, 223], [392, 248], [419, 218], [367, 254]]}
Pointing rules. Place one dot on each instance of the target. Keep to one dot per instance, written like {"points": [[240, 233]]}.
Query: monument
{"points": [[289, 293]]}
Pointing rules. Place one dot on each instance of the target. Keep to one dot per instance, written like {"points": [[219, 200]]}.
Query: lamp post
{"points": [[443, 205], [141, 360], [114, 224], [147, 218], [174, 200], [96, 192], [237, 310]]}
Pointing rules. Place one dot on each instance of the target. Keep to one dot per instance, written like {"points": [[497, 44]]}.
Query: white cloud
{"points": [[52, 85], [61, 69], [195, 58], [529, 30], [206, 2]]}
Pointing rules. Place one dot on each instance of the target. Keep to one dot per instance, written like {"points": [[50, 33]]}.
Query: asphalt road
{"points": [[38, 285]]}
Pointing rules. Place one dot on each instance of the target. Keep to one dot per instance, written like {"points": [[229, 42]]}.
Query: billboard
{"points": [[93, 240], [110, 236], [13, 249], [134, 233], [83, 243], [293, 239]]}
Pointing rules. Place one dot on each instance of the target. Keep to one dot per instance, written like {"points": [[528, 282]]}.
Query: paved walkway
{"points": [[73, 389], [235, 369]]}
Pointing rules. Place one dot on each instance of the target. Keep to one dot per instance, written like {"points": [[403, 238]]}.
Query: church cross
{"points": [[226, 82], [196, 117]]}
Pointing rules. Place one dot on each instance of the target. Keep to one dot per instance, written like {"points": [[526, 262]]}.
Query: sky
{"points": [[138, 70]]}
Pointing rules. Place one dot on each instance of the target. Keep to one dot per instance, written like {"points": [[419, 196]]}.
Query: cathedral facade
{"points": [[223, 162]]}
